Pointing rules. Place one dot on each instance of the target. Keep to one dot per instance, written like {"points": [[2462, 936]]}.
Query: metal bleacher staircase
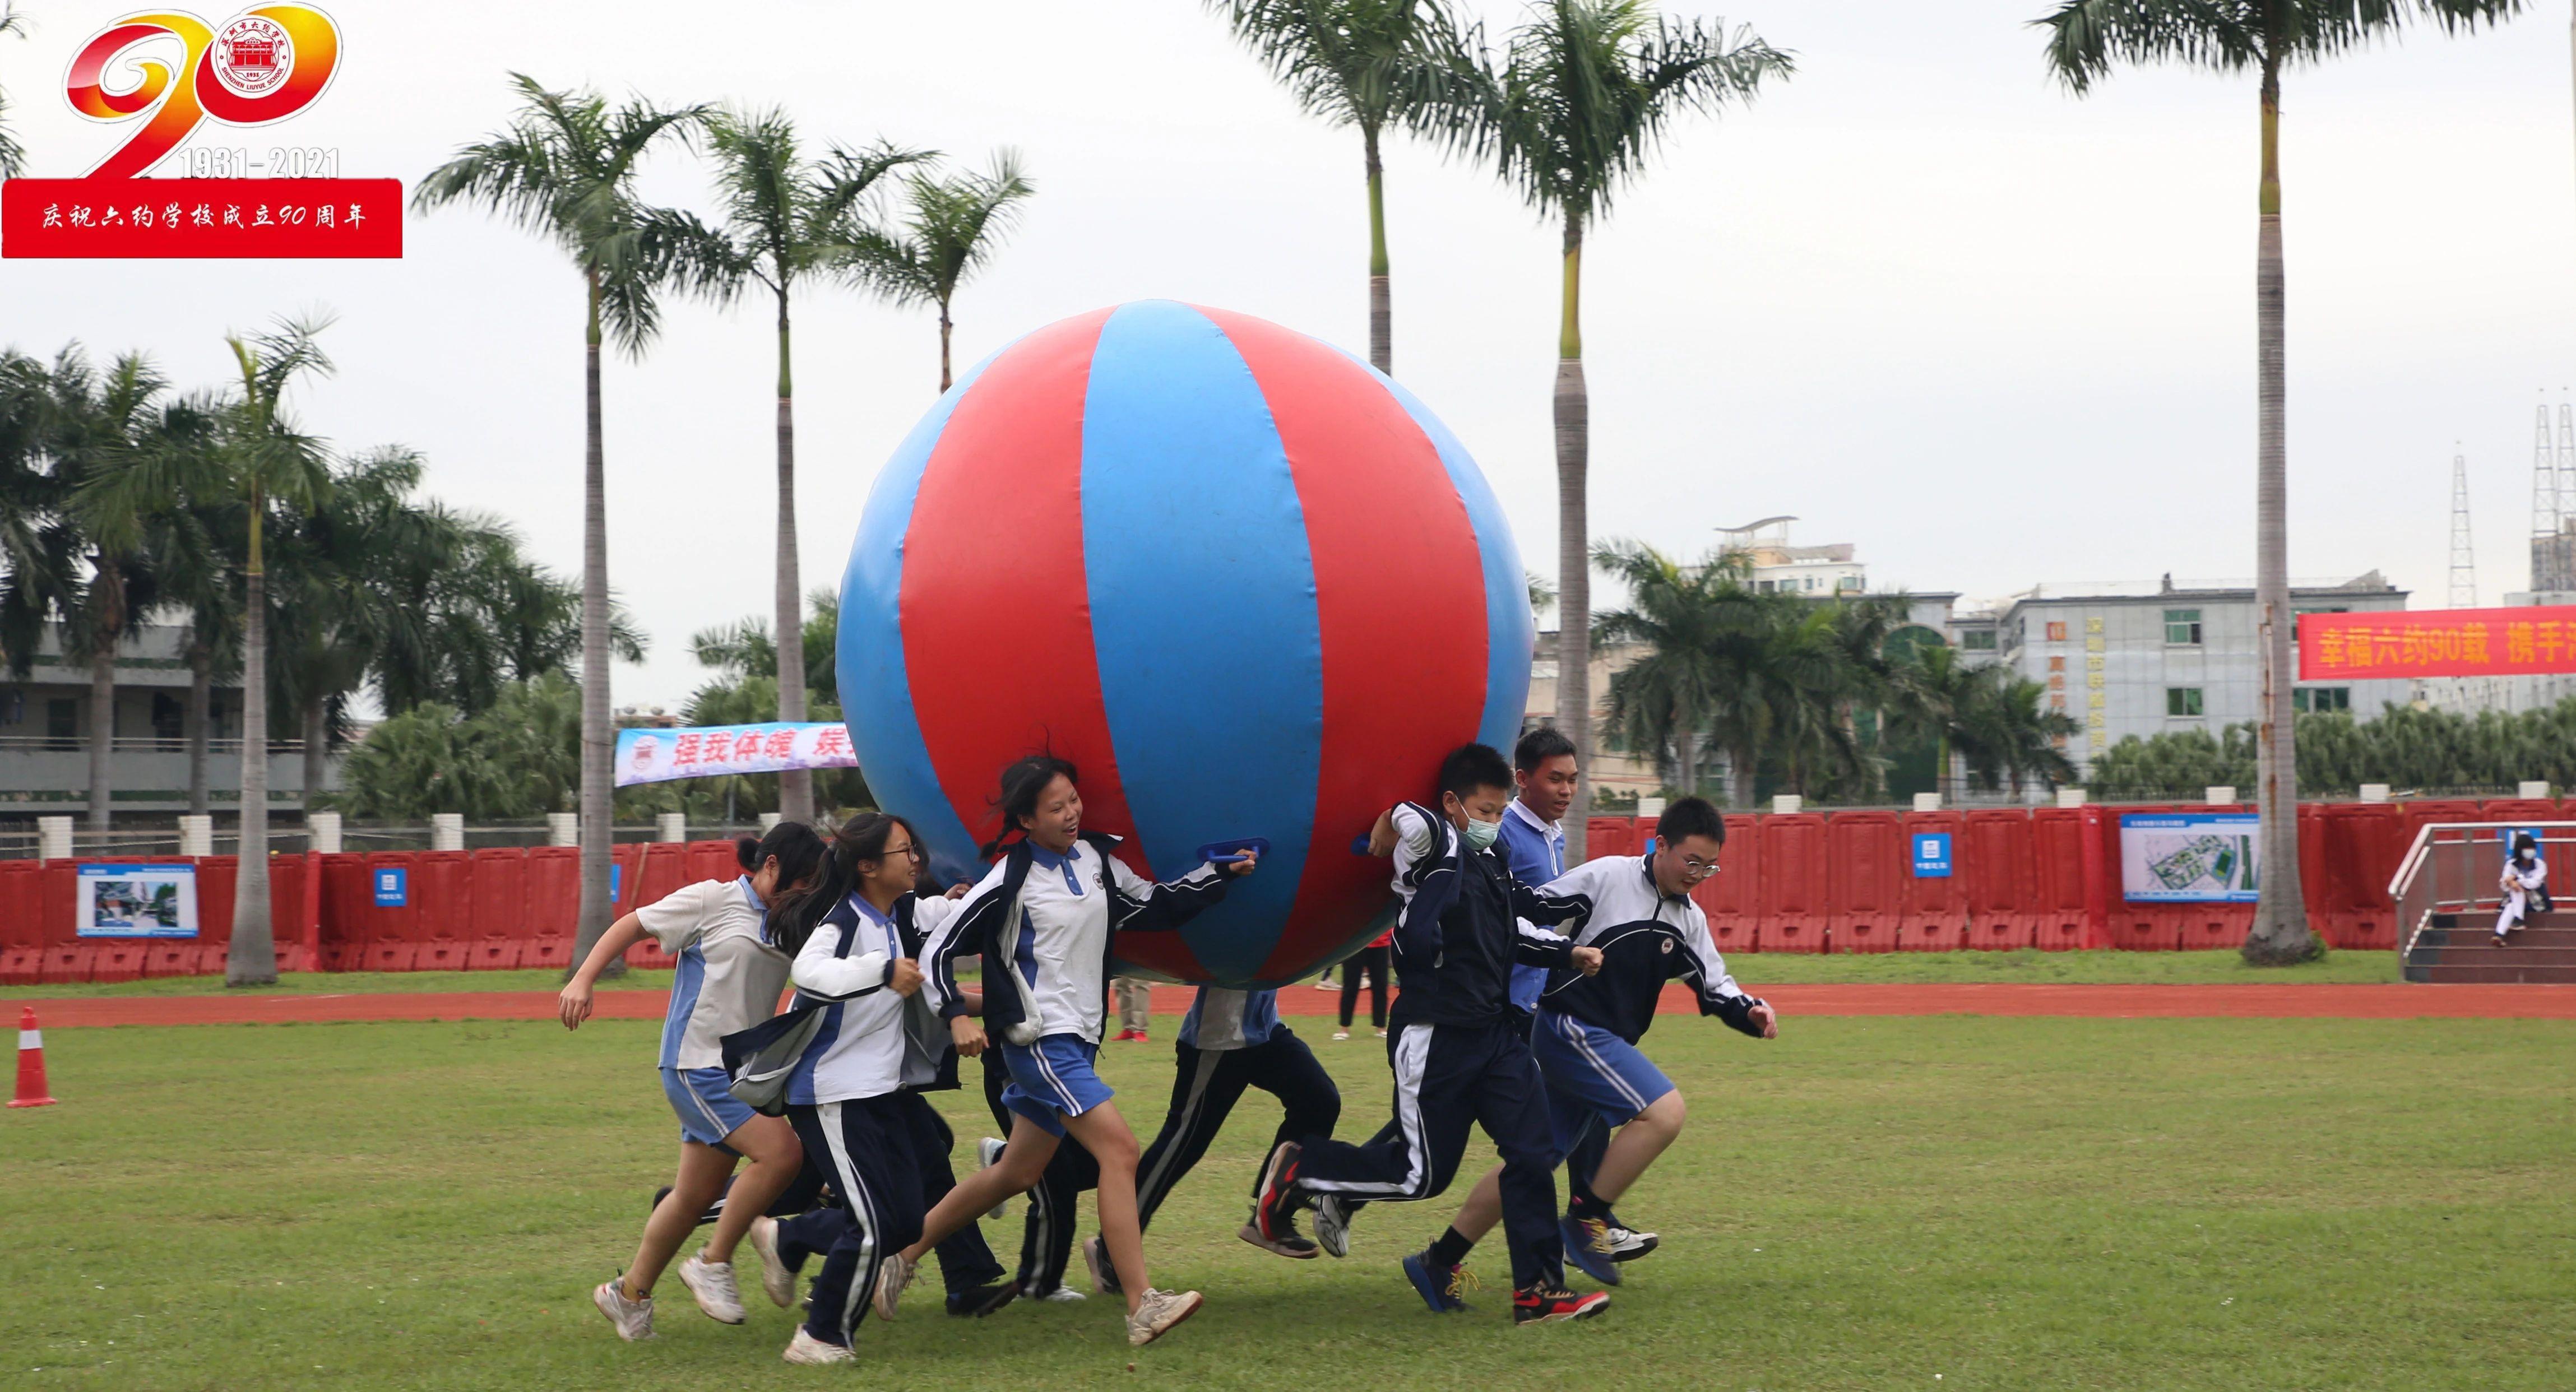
{"points": [[2462, 947]]}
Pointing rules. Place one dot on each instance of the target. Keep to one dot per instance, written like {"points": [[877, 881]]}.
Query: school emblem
{"points": [[1666, 946], [253, 55]]}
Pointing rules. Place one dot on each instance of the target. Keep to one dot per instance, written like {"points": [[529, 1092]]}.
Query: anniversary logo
{"points": [[159, 195]]}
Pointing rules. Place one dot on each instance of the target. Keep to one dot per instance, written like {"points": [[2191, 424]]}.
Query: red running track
{"points": [[2281, 1002]]}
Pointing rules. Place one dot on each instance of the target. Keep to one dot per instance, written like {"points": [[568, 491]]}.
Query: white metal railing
{"points": [[2458, 867], [134, 744]]}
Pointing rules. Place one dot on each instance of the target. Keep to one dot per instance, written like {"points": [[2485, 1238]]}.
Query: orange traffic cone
{"points": [[31, 1063]]}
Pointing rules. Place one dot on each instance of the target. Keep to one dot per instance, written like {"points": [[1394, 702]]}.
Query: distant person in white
{"points": [[2525, 884], [728, 980]]}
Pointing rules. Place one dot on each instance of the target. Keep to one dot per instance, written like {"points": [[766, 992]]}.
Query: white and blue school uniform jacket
{"points": [[1221, 1019], [869, 1043], [1046, 950], [1461, 922], [1535, 851], [729, 977], [1646, 937]]}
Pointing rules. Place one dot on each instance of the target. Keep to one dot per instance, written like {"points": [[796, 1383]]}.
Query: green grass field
{"points": [[1948, 1203], [1756, 969]]}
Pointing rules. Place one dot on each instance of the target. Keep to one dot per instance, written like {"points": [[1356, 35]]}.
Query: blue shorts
{"points": [[1592, 1075], [1052, 1080], [708, 1111]]}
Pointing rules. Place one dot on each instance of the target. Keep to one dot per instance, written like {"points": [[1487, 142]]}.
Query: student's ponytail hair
{"points": [[1021, 784], [799, 849], [794, 914]]}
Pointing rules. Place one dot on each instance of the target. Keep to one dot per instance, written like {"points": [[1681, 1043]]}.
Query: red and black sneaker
{"points": [[1274, 1204], [1537, 1306]]}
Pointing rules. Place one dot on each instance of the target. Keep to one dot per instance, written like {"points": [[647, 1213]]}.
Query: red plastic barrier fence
{"points": [[22, 942], [712, 860], [347, 904], [1792, 893], [2058, 908], [495, 933], [1609, 836], [1997, 871], [390, 927], [1732, 897], [442, 896], [2518, 810], [2134, 926], [203, 953], [66, 957], [2359, 847], [553, 901], [288, 893], [1936, 906], [665, 870], [1866, 867]]}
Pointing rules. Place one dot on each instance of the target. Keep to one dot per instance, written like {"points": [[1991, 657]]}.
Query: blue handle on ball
{"points": [[1228, 852], [1359, 845]]}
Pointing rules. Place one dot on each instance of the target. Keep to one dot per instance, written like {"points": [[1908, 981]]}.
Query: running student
{"points": [[1647, 930], [1459, 1058], [1043, 921], [1229, 1041], [853, 1096], [1544, 775], [728, 980]]}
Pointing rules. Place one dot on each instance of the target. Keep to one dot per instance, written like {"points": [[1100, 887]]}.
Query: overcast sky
{"points": [[1916, 295]]}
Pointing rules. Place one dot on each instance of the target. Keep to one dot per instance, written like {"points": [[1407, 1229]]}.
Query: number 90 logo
{"points": [[263, 65]]}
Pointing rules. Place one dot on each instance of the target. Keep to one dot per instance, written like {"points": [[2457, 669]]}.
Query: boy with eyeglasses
{"points": [[1648, 931]]}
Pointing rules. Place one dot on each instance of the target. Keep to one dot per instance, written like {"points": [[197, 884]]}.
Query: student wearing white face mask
{"points": [[1460, 1059]]}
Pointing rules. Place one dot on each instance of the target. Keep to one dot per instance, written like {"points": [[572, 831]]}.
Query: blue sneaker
{"points": [[1587, 1245], [1441, 1288]]}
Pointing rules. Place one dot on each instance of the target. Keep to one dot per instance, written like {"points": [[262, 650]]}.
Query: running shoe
{"points": [[1274, 1207], [711, 1285], [893, 1274], [1444, 1289], [1628, 1245], [1058, 1296], [1104, 1273], [988, 1153], [982, 1300], [1294, 1245], [777, 1280], [805, 1348], [1587, 1246], [1537, 1306], [1332, 1226], [1158, 1312], [1341, 1034], [633, 1318]]}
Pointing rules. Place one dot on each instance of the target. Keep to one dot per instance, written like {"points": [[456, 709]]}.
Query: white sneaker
{"points": [[1381, 1034], [1059, 1295], [1104, 1275], [633, 1318], [776, 1281], [1341, 1034], [988, 1153], [1332, 1226], [1623, 1244], [805, 1348], [711, 1284], [1158, 1312], [1328, 984], [893, 1274]]}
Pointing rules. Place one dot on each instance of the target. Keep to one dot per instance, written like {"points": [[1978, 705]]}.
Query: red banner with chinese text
{"points": [[129, 218], [2393, 646]]}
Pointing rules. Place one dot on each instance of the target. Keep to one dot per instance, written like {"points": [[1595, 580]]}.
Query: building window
{"points": [[1978, 640], [1764, 587], [2057, 630], [62, 724], [2182, 701], [169, 718], [2309, 700], [2182, 628]]}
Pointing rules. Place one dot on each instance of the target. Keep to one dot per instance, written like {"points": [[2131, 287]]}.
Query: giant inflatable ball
{"points": [[1248, 584]]}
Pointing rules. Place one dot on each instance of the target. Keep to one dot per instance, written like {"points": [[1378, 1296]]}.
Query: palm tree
{"points": [[1682, 616], [565, 169], [1586, 93], [13, 159], [2085, 37], [1370, 64], [951, 227], [39, 548], [784, 218], [197, 547]]}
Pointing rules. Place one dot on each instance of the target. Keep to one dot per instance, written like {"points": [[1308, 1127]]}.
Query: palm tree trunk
{"points": [[1381, 303], [317, 749], [1742, 774], [102, 729], [945, 380], [2280, 934], [1573, 540], [201, 700], [252, 958], [598, 829], [796, 786]]}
